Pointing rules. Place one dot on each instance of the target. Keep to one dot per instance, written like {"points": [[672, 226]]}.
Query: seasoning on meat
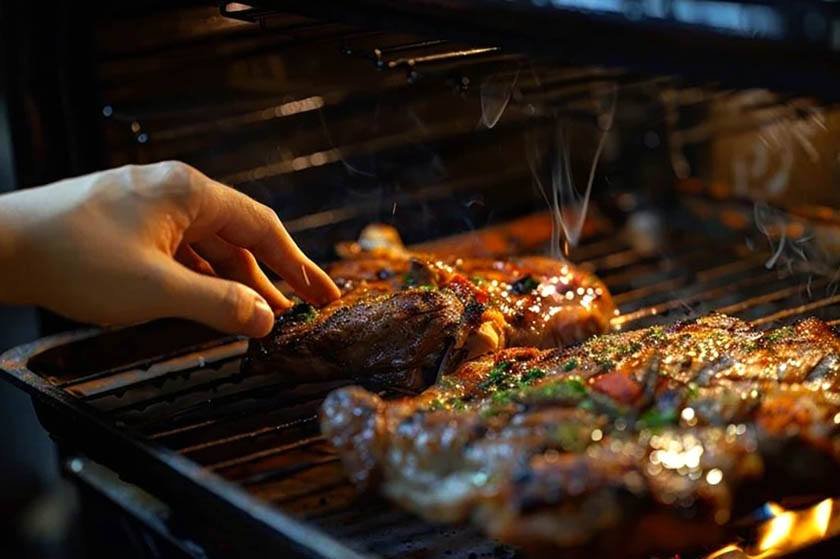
{"points": [[413, 315], [627, 439]]}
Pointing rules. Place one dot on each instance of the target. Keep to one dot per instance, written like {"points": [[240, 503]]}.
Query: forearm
{"points": [[13, 262], [142, 242]]}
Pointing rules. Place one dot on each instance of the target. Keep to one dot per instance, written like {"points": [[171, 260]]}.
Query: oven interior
{"points": [[684, 194]]}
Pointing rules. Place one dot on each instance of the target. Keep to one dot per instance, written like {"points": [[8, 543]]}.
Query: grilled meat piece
{"points": [[412, 315], [392, 336], [608, 442]]}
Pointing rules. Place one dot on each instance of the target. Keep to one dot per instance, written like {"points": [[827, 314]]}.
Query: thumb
{"points": [[225, 305]]}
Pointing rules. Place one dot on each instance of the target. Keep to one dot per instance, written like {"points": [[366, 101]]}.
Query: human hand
{"points": [[142, 242]]}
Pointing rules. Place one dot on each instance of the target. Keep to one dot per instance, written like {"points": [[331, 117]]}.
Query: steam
{"points": [[349, 168], [496, 93], [772, 223], [573, 205], [553, 203], [798, 252], [568, 206]]}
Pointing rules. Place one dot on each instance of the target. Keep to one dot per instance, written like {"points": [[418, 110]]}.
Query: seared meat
{"points": [[413, 315], [614, 442], [375, 333], [531, 301]]}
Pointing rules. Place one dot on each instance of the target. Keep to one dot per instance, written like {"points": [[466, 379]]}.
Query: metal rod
{"points": [[380, 52], [702, 276], [276, 475], [441, 57], [221, 415], [786, 313], [322, 487], [246, 435], [694, 298], [766, 298], [179, 430], [264, 453]]}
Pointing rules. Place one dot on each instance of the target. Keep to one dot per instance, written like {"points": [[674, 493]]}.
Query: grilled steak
{"points": [[643, 441], [412, 315]]}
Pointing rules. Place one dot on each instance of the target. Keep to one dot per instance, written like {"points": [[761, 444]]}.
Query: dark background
{"points": [[85, 87]]}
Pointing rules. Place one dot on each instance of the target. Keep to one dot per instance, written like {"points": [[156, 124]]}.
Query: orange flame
{"points": [[787, 531]]}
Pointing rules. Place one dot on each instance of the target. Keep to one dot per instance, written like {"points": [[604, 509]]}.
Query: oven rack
{"points": [[244, 452]]}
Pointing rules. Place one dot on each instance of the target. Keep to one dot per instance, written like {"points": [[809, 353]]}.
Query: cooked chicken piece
{"points": [[414, 315], [643, 442]]}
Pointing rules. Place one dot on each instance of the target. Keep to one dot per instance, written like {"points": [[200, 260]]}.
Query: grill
{"points": [[189, 428], [158, 420]]}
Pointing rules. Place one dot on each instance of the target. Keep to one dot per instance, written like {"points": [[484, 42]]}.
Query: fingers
{"points": [[245, 223], [225, 305], [281, 254], [189, 258], [238, 264]]}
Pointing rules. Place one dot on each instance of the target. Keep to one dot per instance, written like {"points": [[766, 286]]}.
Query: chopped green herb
{"points": [[427, 287], [532, 375], [436, 405], [569, 389], [656, 334], [498, 377], [302, 312], [655, 418], [447, 383], [691, 392], [477, 281], [749, 345], [503, 396], [780, 334], [571, 436], [604, 361], [603, 404], [587, 405], [607, 350], [570, 365], [439, 404], [524, 285]]}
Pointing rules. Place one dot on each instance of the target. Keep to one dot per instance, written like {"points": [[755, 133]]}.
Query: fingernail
{"points": [[262, 319]]}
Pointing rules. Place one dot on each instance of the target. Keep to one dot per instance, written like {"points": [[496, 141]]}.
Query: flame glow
{"points": [[791, 530], [787, 531]]}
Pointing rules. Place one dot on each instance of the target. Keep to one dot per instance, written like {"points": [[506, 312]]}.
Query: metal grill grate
{"points": [[263, 436]]}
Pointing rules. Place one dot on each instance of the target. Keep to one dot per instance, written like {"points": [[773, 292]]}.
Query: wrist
{"points": [[14, 262]]}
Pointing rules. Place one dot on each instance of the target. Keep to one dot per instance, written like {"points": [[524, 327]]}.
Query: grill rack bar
{"points": [[265, 453], [603, 254], [243, 435], [609, 252]]}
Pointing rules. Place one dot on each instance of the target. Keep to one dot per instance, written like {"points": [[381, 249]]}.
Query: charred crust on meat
{"points": [[576, 441], [421, 316]]}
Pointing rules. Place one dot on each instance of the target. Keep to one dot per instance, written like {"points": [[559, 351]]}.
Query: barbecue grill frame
{"points": [[215, 502], [594, 36], [166, 474]]}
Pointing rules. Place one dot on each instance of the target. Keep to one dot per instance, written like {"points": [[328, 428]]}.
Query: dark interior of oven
{"points": [[464, 146]]}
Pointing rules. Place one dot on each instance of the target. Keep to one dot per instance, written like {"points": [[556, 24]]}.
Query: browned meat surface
{"points": [[399, 337], [643, 441], [413, 315]]}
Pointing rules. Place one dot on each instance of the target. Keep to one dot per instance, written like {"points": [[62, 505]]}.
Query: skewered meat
{"points": [[640, 440], [413, 315]]}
